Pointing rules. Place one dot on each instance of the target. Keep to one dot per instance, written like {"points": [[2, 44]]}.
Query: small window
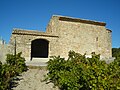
{"points": [[97, 39]]}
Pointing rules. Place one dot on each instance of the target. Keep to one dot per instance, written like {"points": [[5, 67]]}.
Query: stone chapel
{"points": [[62, 35]]}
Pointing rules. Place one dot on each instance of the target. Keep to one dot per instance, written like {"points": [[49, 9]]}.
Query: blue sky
{"points": [[35, 14]]}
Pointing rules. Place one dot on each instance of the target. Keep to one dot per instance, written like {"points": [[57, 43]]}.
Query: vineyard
{"points": [[80, 73], [75, 73]]}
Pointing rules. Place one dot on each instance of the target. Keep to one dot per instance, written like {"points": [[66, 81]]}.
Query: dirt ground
{"points": [[33, 80]]}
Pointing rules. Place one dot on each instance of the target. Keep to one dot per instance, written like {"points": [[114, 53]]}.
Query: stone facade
{"points": [[64, 34]]}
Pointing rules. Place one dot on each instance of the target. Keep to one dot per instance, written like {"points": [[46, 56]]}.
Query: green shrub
{"points": [[15, 64], [83, 73], [116, 52], [17, 61]]}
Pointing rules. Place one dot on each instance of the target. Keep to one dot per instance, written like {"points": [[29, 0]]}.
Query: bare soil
{"points": [[33, 80]]}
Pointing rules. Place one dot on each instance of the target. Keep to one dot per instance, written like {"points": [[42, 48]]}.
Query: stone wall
{"points": [[4, 50], [83, 37], [23, 42]]}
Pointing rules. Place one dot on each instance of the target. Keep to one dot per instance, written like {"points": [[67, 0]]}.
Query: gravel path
{"points": [[32, 80]]}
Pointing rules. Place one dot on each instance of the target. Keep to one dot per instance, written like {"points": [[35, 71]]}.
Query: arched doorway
{"points": [[39, 48]]}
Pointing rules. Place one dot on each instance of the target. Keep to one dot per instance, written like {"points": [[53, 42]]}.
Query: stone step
{"points": [[37, 62], [40, 59]]}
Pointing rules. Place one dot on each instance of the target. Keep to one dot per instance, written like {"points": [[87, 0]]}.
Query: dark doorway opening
{"points": [[39, 48]]}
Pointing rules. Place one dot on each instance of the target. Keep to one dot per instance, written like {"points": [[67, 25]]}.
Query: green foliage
{"points": [[17, 61], [116, 52], [80, 73], [15, 64]]}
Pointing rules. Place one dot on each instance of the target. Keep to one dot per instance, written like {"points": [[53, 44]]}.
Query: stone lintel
{"points": [[71, 19], [31, 32]]}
